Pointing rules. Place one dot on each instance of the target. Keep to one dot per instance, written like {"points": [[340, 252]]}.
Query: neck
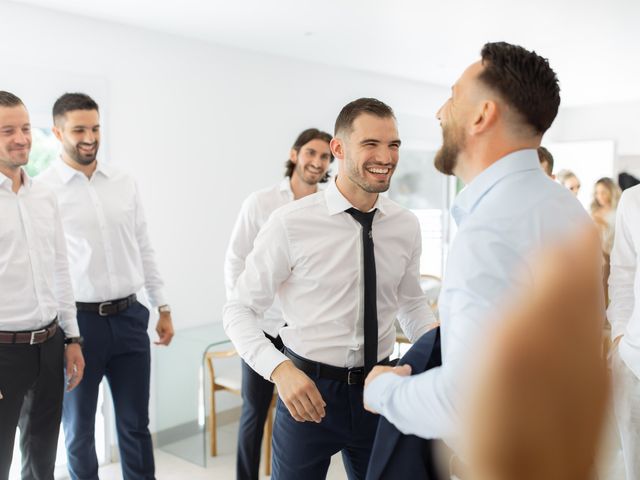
{"points": [[86, 169], [362, 200], [301, 189], [14, 174], [477, 158]]}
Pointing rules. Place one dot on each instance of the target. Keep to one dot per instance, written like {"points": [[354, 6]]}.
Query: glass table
{"points": [[182, 393]]}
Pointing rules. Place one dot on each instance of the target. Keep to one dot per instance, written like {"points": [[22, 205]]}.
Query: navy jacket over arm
{"points": [[396, 455]]}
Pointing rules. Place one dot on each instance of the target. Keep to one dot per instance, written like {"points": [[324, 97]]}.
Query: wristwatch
{"points": [[69, 340], [164, 309]]}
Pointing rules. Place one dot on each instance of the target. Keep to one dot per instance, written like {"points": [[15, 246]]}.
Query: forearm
{"points": [[416, 405]]}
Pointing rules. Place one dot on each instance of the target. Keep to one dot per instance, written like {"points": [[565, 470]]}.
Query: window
{"points": [[44, 149]]}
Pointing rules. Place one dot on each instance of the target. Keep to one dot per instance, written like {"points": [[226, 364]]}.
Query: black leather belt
{"points": [[33, 337], [112, 307], [351, 376]]}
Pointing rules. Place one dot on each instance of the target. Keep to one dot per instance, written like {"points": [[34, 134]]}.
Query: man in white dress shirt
{"points": [[498, 111], [344, 263], [308, 164], [110, 259], [37, 314], [624, 315]]}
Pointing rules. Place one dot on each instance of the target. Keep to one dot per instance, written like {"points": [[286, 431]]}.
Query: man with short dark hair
{"points": [[37, 314], [492, 124], [111, 259], [308, 164], [546, 161], [340, 295]]}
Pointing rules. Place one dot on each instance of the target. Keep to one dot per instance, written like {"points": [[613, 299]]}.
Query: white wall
{"points": [[619, 122]]}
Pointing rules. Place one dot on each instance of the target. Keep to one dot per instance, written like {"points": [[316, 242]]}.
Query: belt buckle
{"points": [[32, 341], [103, 304], [356, 371]]}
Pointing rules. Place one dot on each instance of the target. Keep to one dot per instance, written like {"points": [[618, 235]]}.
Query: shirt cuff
{"points": [[156, 298], [69, 326], [268, 362], [378, 392]]}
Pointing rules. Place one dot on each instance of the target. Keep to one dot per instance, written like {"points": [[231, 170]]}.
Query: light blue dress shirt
{"points": [[504, 216]]}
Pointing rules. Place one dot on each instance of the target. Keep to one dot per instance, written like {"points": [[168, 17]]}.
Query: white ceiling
{"points": [[593, 45]]}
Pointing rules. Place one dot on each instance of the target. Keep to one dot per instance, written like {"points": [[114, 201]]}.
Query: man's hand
{"points": [[75, 365], [299, 393], [164, 327], [402, 371]]}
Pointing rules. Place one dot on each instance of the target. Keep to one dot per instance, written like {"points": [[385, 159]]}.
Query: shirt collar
{"points": [[337, 203], [67, 173], [285, 187], [26, 180], [470, 196]]}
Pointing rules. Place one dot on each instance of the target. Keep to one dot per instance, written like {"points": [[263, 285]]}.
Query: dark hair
{"points": [[8, 99], [544, 155], [305, 137], [353, 110], [73, 101], [524, 80]]}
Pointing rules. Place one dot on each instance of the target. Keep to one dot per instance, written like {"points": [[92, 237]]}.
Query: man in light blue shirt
{"points": [[492, 124]]}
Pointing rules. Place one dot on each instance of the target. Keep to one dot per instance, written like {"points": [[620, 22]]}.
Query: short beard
{"points": [[354, 175], [299, 171], [78, 158], [446, 158]]}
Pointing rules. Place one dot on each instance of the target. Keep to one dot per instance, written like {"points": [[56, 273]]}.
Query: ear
{"points": [[337, 148], [56, 131], [486, 117], [293, 156]]}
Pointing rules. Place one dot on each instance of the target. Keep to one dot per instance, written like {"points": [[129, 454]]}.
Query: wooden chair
{"points": [[233, 385]]}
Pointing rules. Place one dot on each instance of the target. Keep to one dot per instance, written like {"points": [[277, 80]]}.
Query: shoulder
{"points": [[117, 174], [48, 176], [309, 205], [630, 197], [43, 192], [397, 213]]}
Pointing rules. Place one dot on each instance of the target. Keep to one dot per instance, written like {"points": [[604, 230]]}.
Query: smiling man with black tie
{"points": [[345, 265]]}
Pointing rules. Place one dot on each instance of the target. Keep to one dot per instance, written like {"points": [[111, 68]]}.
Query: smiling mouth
{"points": [[378, 170]]}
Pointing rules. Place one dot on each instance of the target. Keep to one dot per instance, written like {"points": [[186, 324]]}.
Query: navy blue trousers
{"points": [[303, 450], [256, 398], [116, 347]]}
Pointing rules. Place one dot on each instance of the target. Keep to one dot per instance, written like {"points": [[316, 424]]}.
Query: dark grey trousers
{"points": [[32, 386]]}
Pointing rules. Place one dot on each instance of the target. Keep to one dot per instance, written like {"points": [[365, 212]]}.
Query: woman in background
{"points": [[569, 180], [606, 194]]}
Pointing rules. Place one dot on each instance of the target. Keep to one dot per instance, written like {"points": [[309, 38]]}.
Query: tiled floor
{"points": [[169, 466]]}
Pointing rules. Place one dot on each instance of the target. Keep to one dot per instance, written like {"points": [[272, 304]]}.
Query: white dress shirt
{"points": [[624, 280], [110, 255], [34, 274], [504, 215], [254, 213], [310, 253]]}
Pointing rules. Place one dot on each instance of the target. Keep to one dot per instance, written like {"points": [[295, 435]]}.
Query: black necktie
{"points": [[370, 305]]}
